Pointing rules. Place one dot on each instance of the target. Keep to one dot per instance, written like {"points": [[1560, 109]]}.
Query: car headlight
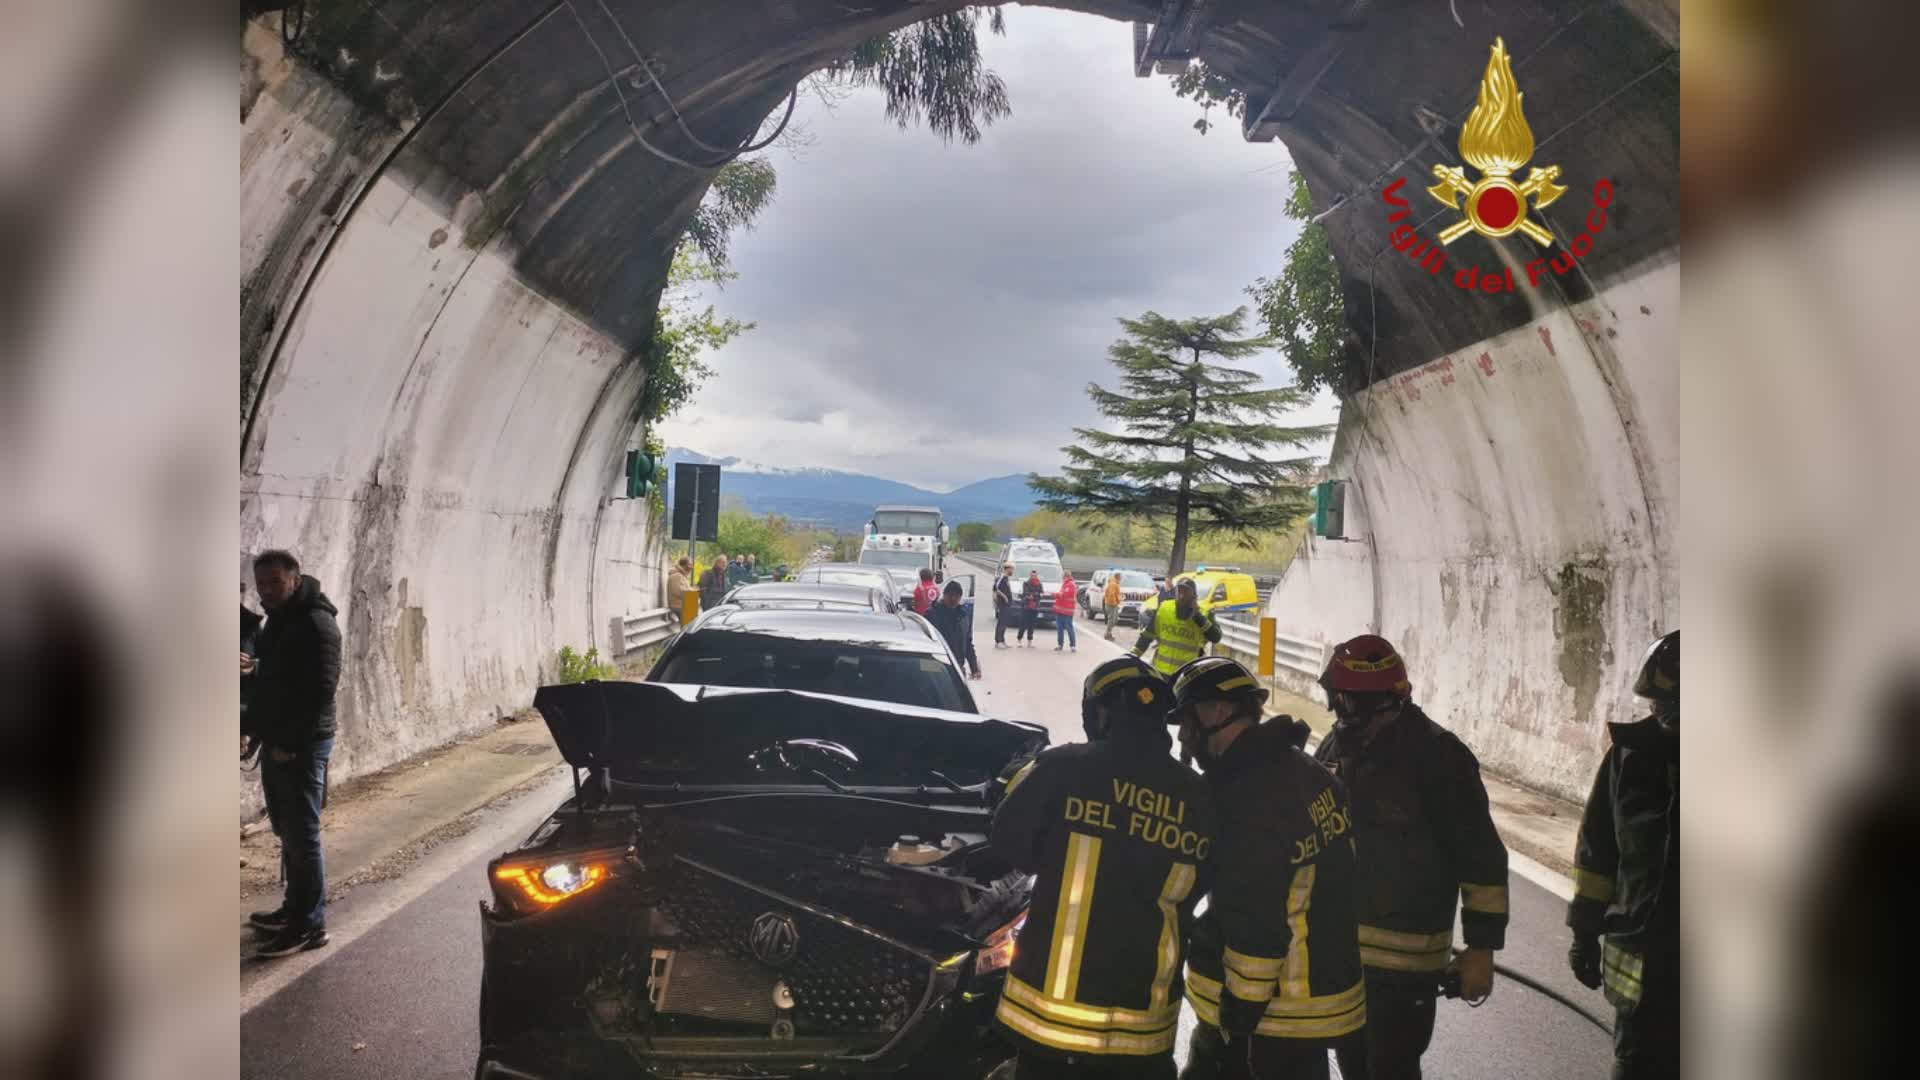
{"points": [[530, 886], [997, 954]]}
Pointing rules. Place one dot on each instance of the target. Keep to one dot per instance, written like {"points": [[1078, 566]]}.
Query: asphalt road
{"points": [[397, 992]]}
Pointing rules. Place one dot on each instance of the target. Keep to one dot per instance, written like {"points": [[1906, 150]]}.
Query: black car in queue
{"points": [[881, 656], [754, 883]]}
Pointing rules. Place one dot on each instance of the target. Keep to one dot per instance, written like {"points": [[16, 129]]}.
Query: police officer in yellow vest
{"points": [[1119, 837], [1179, 631]]}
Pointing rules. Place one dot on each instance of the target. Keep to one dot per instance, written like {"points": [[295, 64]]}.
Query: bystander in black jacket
{"points": [[299, 655], [956, 626]]}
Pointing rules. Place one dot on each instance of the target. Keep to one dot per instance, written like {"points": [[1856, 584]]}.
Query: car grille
{"points": [[843, 982]]}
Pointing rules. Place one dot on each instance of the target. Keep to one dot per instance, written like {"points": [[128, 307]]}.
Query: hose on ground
{"points": [[1450, 986]]}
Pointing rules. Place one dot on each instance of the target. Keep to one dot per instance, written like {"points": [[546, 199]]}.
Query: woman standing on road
{"points": [[1030, 593], [1064, 602]]}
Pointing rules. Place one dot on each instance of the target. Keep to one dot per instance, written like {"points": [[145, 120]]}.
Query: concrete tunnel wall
{"points": [[1510, 506], [438, 443]]}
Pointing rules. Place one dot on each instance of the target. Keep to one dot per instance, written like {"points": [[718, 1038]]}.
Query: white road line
{"points": [[350, 920]]}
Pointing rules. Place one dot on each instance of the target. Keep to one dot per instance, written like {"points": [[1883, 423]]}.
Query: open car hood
{"points": [[709, 733]]}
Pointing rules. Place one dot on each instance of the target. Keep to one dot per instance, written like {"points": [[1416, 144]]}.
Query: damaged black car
{"points": [[755, 883]]}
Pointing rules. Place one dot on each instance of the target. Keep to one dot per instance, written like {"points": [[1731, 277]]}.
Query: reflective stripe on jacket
{"points": [[1118, 836]]}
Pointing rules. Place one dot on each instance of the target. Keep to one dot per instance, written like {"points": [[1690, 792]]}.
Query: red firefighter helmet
{"points": [[1367, 664]]}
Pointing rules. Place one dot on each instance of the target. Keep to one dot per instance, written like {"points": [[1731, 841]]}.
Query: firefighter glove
{"points": [[1584, 959]]}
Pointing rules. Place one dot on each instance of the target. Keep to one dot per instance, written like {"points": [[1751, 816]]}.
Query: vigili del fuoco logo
{"points": [[1497, 142]]}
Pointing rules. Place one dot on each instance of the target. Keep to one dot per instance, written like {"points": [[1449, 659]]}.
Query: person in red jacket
{"points": [[926, 594], [1064, 602]]}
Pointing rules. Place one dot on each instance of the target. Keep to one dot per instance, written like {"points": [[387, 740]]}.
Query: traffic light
{"points": [[640, 467]]}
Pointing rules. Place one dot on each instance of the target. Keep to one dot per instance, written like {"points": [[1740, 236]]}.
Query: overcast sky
{"points": [[932, 312]]}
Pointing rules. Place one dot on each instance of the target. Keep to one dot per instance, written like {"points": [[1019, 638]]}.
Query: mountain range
{"points": [[843, 501]]}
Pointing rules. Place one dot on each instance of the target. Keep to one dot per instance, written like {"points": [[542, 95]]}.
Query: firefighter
{"points": [[1276, 979], [1426, 838], [1627, 877], [1180, 631], [1118, 836]]}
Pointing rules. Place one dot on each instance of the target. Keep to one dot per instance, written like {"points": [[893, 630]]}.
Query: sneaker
{"points": [[291, 940], [269, 920], [1056, 648]]}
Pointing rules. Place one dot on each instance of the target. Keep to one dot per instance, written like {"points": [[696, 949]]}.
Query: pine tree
{"points": [[1191, 436]]}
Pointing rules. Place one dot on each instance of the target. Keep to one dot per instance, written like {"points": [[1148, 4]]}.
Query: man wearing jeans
{"points": [[296, 671]]}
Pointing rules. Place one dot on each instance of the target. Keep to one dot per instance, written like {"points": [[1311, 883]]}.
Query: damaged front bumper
{"points": [[566, 995]]}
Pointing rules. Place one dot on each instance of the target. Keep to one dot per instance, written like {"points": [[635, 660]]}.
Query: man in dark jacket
{"points": [[1626, 878], [716, 585], [1002, 605], [249, 629], [1118, 836], [1426, 840], [953, 617], [292, 712], [1286, 876]]}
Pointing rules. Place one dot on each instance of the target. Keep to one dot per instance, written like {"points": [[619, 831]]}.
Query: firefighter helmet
{"points": [[1127, 686], [1215, 678], [1659, 678], [1367, 664]]}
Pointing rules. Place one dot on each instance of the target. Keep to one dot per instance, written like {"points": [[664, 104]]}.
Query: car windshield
{"points": [[1136, 579], [911, 522], [886, 557], [1047, 571], [843, 668]]}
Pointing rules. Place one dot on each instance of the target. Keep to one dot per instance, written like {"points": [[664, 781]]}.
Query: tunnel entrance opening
{"points": [[454, 244]]}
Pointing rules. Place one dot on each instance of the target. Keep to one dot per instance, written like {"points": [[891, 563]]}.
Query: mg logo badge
{"points": [[774, 938]]}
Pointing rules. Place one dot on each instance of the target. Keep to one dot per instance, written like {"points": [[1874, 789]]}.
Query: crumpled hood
{"points": [[706, 734]]}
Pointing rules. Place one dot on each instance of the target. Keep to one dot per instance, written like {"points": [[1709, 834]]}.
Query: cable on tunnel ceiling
{"points": [[654, 77], [633, 125]]}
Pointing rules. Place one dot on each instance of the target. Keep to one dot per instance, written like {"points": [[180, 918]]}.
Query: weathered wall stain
{"points": [[1580, 625]]}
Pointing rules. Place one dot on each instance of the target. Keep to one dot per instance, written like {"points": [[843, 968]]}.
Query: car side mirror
{"points": [[939, 576]]}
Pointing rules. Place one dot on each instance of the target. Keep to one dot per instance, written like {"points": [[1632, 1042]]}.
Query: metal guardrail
{"points": [[646, 628], [1240, 632], [1240, 636]]}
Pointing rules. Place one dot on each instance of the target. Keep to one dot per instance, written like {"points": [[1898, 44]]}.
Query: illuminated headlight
{"points": [[564, 878], [997, 954], [535, 886]]}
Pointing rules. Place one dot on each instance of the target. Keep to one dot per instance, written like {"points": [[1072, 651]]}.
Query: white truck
{"points": [[906, 539]]}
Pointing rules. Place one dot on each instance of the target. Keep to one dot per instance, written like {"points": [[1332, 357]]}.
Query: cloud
{"points": [[932, 313]]}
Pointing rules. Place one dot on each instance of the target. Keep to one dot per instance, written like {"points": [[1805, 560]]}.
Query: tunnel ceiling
{"points": [[510, 98]]}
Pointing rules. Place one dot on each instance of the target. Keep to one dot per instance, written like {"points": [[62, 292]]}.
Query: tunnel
{"points": [[455, 228]]}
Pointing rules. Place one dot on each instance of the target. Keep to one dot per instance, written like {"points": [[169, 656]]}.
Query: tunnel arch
{"points": [[453, 249]]}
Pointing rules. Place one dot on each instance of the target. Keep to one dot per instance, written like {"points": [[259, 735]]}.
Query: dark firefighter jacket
{"points": [[1426, 836], [299, 650], [1118, 835], [1278, 951], [1626, 873]]}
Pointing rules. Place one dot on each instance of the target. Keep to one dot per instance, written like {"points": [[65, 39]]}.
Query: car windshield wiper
{"points": [[948, 781], [829, 781]]}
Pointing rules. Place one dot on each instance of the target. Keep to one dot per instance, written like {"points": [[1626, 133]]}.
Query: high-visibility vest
{"points": [[1177, 642]]}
